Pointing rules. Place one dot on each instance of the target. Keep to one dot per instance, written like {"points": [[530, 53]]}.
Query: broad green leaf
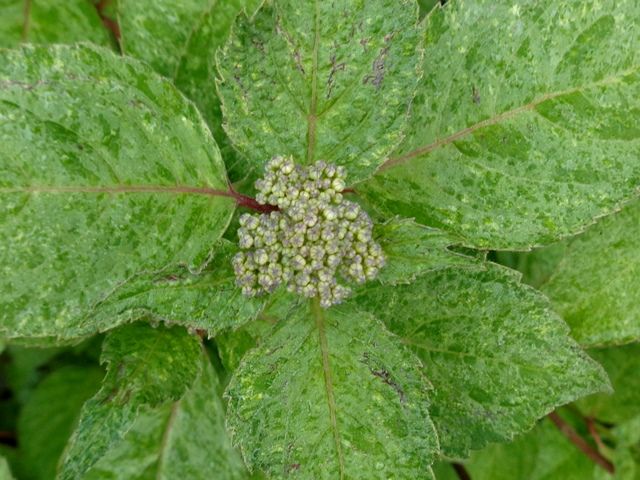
{"points": [[5, 472], [525, 127], [179, 40], [623, 366], [208, 300], [331, 394], [542, 454], [595, 285], [182, 440], [24, 369], [50, 21], [331, 81], [497, 355], [49, 416], [106, 171], [412, 250], [147, 368]]}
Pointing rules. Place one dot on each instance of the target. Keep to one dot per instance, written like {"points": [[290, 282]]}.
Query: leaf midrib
{"points": [[117, 189], [313, 107], [504, 116], [318, 314]]}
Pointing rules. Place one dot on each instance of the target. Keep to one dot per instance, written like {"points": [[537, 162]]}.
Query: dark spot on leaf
{"points": [[335, 67], [377, 70], [475, 95]]}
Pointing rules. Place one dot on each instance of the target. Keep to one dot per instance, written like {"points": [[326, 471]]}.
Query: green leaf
{"points": [[330, 81], [49, 416], [542, 454], [622, 364], [179, 40], [331, 394], [412, 250], [50, 21], [5, 472], [595, 285], [525, 127], [147, 368], [208, 300], [185, 439], [106, 171], [498, 357]]}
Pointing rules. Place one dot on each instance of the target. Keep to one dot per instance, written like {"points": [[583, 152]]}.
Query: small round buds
{"points": [[312, 241]]}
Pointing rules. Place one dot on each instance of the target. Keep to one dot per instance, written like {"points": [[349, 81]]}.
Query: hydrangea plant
{"points": [[285, 239]]}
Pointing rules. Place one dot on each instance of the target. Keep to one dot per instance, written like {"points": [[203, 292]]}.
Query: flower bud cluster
{"points": [[315, 235]]}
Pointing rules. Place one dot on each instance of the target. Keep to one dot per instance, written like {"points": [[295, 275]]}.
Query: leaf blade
{"points": [[301, 380], [81, 213], [331, 82], [498, 357], [531, 112]]}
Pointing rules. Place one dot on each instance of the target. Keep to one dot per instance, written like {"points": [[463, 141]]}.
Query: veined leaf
{"points": [[106, 171], [331, 394], [526, 125], [595, 285], [50, 21], [331, 81], [208, 300], [49, 416], [412, 250], [185, 439], [498, 357], [149, 373], [179, 40]]}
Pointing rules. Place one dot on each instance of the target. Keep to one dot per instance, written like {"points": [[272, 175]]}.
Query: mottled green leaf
{"points": [[50, 21], [595, 285], [412, 250], [623, 366], [331, 394], [525, 128], [498, 357], [208, 300], [542, 454], [49, 416], [331, 81], [106, 171], [179, 40], [147, 368], [185, 439]]}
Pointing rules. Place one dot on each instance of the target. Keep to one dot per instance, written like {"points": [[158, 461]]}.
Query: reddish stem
{"points": [[580, 442], [249, 202], [461, 471], [109, 23]]}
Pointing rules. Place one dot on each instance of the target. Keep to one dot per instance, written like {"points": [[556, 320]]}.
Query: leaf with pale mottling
{"points": [[525, 128], [497, 355], [180, 40], [106, 171], [184, 439], [50, 21], [331, 81], [331, 394], [147, 368], [208, 300]]}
